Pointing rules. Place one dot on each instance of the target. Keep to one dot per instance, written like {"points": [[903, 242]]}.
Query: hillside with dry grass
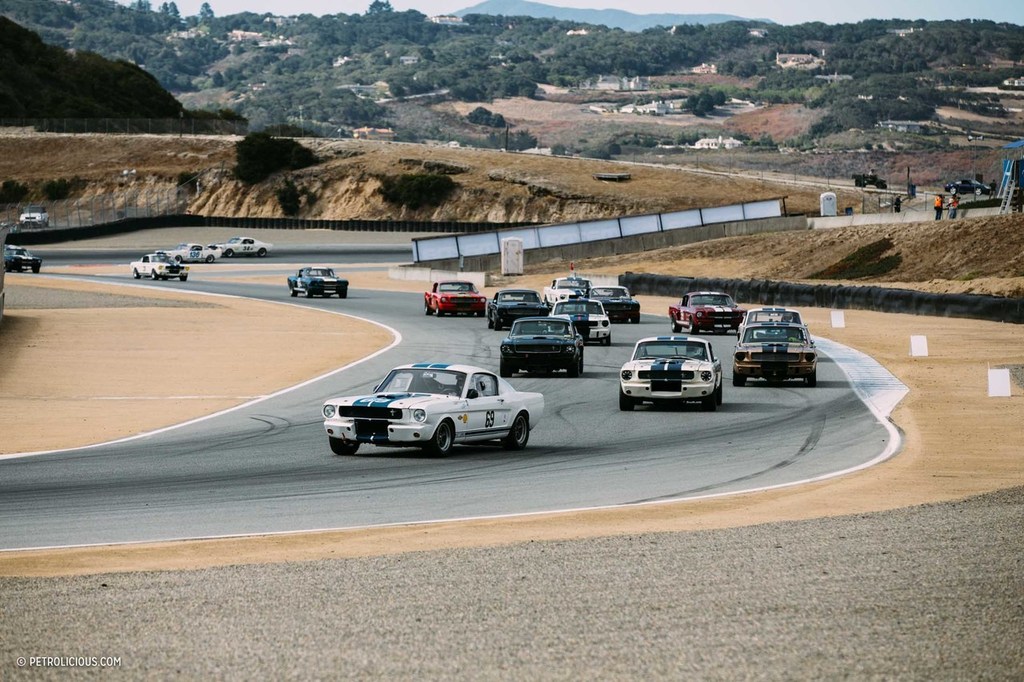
{"points": [[981, 255]]}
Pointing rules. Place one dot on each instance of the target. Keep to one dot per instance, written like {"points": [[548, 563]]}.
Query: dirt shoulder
{"points": [[958, 442]]}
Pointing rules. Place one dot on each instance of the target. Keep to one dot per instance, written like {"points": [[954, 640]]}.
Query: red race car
{"points": [[705, 311], [452, 297]]}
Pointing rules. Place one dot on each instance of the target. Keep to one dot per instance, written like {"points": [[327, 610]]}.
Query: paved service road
{"points": [[266, 467]]}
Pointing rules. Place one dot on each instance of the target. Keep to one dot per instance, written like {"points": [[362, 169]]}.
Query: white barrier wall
{"points": [[489, 243]]}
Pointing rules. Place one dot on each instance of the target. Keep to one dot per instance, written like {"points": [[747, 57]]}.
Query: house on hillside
{"points": [[705, 69], [757, 32], [619, 84], [659, 108], [717, 143], [903, 126], [408, 60], [244, 36], [445, 20], [798, 61], [368, 133]]}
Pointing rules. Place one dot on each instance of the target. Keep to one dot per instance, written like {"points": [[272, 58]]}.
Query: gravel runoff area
{"points": [[933, 592]]}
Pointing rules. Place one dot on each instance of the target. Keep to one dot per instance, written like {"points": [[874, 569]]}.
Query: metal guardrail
{"points": [[462, 246]]}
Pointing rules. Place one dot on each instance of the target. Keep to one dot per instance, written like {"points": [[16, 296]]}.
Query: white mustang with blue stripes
{"points": [[672, 368], [433, 406]]}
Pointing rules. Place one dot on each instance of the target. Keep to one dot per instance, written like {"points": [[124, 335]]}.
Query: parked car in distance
{"points": [[317, 280], [433, 406], [508, 305], [705, 311], [968, 186], [194, 253], [18, 259], [452, 297], [587, 316], [34, 215], [158, 266], [618, 303], [542, 344], [563, 288], [244, 246], [775, 351], [667, 369]]}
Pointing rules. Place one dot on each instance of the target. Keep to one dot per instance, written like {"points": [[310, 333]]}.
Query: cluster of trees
{"points": [[491, 57]]}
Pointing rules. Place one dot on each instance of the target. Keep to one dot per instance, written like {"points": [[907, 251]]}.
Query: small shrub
{"points": [[55, 190], [259, 155], [415, 190], [289, 198], [867, 261], [12, 192]]}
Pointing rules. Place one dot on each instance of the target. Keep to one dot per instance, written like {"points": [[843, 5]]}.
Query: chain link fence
{"points": [[143, 202]]}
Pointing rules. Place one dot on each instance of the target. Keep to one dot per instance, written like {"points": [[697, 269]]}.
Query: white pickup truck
{"points": [[35, 215], [158, 266], [564, 288]]}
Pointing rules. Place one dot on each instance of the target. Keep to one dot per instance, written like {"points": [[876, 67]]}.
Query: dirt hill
{"points": [[983, 255]]}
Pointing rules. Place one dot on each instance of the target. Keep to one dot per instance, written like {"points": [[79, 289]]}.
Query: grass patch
{"points": [[867, 261]]}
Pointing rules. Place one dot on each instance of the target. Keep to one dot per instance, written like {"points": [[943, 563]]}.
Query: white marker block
{"points": [[919, 346], [999, 383], [838, 319]]}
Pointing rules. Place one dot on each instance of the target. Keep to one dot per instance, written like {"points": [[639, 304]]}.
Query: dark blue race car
{"points": [[508, 305], [317, 281], [542, 344]]}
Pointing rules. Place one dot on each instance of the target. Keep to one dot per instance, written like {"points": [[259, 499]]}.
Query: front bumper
{"points": [[21, 264], [451, 308], [540, 361], [379, 431], [684, 390], [774, 370]]}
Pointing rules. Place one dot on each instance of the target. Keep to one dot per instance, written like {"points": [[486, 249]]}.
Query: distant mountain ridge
{"points": [[612, 18]]}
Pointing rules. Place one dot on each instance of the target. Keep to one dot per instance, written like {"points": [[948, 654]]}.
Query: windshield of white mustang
{"points": [[423, 380], [680, 350], [578, 308]]}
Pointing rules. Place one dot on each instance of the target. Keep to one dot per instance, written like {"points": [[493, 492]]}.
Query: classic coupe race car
{"points": [[564, 288], [775, 351], [618, 303], [194, 253], [705, 311], [770, 314], [542, 344], [158, 266], [18, 258], [671, 368], [588, 317], [453, 297], [433, 406], [317, 281], [244, 246], [508, 305]]}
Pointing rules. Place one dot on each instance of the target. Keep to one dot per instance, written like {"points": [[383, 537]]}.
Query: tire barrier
{"points": [[55, 235], [838, 297]]}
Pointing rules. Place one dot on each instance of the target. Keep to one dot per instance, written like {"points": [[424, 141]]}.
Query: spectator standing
{"points": [[938, 206], [954, 204], [897, 204]]}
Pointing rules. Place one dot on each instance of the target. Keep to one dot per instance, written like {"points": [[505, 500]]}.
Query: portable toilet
{"points": [[511, 256], [828, 204]]}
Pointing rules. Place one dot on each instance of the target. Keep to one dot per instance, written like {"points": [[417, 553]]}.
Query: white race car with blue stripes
{"points": [[671, 368], [433, 406]]}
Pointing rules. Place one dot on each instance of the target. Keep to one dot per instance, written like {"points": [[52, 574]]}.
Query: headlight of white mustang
{"points": [[329, 411], [419, 415]]}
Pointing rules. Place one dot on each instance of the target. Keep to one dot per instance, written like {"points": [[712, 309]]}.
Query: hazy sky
{"points": [[780, 11]]}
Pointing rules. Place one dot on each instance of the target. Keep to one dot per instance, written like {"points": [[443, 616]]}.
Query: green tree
{"points": [[289, 198]]}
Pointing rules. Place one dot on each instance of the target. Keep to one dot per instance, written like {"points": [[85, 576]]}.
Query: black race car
{"points": [[619, 305], [508, 305], [17, 259], [542, 344]]}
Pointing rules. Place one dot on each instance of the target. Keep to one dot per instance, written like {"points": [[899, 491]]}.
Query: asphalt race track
{"points": [[266, 467]]}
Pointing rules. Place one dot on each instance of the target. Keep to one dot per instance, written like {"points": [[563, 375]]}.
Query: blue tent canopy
{"points": [[1014, 145]]}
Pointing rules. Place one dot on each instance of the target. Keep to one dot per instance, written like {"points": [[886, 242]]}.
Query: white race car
{"points": [[244, 246], [433, 406], [770, 314], [194, 253], [588, 317], [671, 368], [158, 266], [564, 288]]}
